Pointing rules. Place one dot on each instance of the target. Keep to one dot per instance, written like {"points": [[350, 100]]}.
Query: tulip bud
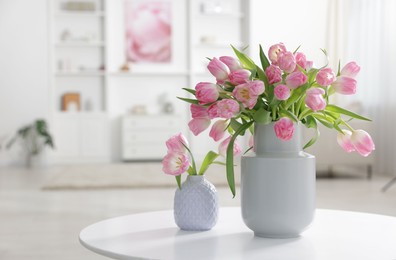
{"points": [[274, 51], [362, 142], [284, 128], [345, 85], [286, 61], [274, 74], [296, 79], [206, 92], [232, 63], [351, 69], [219, 70], [282, 92], [325, 77]]}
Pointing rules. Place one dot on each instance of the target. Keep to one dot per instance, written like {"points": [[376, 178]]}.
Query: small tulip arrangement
{"points": [[285, 89]]}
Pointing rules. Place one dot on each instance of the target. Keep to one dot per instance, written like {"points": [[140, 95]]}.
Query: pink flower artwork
{"points": [[148, 31]]}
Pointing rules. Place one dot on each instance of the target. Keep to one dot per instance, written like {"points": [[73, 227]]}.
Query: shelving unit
{"points": [[78, 63], [213, 27], [88, 51]]}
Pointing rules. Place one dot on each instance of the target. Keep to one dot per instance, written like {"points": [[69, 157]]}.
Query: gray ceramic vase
{"points": [[196, 204], [277, 185]]}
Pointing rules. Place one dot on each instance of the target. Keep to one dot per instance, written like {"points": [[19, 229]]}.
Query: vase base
{"points": [[276, 236]]}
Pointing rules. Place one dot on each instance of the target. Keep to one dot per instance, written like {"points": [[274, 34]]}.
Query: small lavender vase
{"points": [[196, 204]]}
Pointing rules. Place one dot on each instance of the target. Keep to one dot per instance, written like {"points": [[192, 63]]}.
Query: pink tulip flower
{"points": [[282, 92], [344, 140], [308, 65], [362, 142], [198, 111], [175, 163], [345, 85], [301, 60], [274, 51], [351, 69], [226, 108], [315, 100], [286, 61], [198, 125], [218, 130], [232, 63], [177, 143], [219, 70], [240, 76], [248, 93], [206, 92], [274, 74], [296, 79], [223, 147], [325, 77], [284, 128]]}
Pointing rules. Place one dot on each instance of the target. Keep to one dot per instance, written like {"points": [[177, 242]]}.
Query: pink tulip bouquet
{"points": [[284, 88]]}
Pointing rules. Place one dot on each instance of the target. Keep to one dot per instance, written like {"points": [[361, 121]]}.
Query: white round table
{"points": [[333, 235]]}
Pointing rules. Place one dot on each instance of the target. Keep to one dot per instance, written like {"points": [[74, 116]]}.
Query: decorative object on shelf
{"points": [[196, 203], [88, 105], [33, 139], [139, 110], [125, 67], [148, 31], [165, 104], [71, 102], [65, 35], [79, 6], [272, 101], [208, 39]]}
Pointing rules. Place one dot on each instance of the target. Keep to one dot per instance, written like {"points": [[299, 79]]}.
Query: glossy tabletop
{"points": [[333, 235]]}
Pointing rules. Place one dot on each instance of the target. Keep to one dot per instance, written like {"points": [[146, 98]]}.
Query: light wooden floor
{"points": [[44, 225]]}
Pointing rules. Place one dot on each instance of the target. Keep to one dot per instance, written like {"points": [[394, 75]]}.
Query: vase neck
{"points": [[195, 178], [266, 141]]}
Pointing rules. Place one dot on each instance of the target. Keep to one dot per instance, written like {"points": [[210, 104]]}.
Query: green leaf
{"points": [[219, 163], [311, 123], [234, 124], [264, 60], [230, 157], [208, 160], [193, 166], [262, 116], [250, 148], [190, 170], [295, 51], [192, 91], [178, 181], [188, 100], [324, 120], [289, 114], [296, 94], [244, 59], [334, 108]]}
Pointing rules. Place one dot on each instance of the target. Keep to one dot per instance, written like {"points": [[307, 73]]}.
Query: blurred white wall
{"points": [[24, 90]]}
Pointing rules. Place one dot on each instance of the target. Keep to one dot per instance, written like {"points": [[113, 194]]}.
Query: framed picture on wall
{"points": [[148, 31]]}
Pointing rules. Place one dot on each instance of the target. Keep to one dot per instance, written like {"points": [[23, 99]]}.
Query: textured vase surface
{"points": [[277, 185], [196, 204]]}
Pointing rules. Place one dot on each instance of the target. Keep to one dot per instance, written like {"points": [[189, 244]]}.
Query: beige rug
{"points": [[126, 175]]}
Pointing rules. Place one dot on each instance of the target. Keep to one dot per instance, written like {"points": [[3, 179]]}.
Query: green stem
{"points": [[194, 167]]}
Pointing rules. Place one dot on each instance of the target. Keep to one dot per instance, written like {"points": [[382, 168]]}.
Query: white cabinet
{"points": [[144, 137], [78, 69], [81, 138]]}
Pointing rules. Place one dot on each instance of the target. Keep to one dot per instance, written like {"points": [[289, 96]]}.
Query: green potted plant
{"points": [[33, 138]]}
